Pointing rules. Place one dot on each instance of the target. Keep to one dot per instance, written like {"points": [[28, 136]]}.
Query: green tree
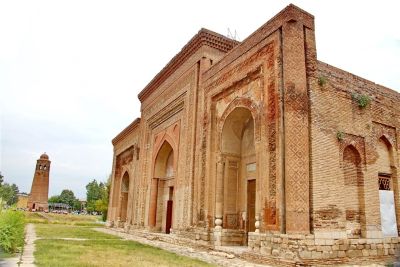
{"points": [[94, 192], [14, 196], [1, 179], [68, 197], [9, 193], [102, 203], [54, 199]]}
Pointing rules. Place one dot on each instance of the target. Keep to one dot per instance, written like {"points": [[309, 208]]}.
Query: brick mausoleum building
{"points": [[259, 144]]}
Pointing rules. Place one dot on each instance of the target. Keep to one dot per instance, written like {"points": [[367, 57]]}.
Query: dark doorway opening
{"points": [[168, 223], [251, 205]]}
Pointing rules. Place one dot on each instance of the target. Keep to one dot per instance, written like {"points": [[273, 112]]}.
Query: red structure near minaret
{"points": [[40, 185]]}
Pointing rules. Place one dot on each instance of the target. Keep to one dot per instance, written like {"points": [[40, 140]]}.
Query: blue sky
{"points": [[70, 71]]}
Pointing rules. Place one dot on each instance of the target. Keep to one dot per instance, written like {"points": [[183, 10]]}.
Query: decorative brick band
{"points": [[203, 38]]}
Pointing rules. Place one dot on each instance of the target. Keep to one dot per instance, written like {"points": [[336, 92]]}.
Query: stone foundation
{"points": [[284, 249], [228, 237], [307, 248]]}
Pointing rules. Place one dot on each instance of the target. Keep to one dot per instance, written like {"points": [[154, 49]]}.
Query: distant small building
{"points": [[22, 201], [40, 185], [59, 207]]}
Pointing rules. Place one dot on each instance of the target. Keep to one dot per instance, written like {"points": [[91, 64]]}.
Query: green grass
{"points": [[71, 219], [12, 224], [106, 253], [99, 249], [69, 231]]}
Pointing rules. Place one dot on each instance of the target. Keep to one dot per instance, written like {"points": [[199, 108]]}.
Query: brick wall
{"points": [[338, 124]]}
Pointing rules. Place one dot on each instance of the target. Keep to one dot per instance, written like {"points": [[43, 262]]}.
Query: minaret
{"points": [[40, 186]]}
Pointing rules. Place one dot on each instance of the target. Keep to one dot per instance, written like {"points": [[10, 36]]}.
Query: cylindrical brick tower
{"points": [[40, 186]]}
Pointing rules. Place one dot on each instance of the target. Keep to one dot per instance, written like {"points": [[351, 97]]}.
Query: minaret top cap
{"points": [[44, 156]]}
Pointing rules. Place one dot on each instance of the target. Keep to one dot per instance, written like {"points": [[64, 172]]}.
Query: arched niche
{"points": [[353, 192], [387, 184], [385, 159], [124, 193], [164, 163], [162, 188], [239, 176]]}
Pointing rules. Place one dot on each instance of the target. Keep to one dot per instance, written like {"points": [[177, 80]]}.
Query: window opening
{"points": [[384, 181]]}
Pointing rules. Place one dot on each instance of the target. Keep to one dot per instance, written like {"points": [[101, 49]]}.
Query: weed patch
{"points": [[12, 224]]}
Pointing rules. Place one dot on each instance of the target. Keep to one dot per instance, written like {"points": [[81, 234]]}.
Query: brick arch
{"points": [[124, 171], [355, 158], [124, 196], [389, 133], [165, 139], [242, 102], [353, 189], [356, 142], [232, 217], [388, 137], [388, 152], [391, 181], [388, 142], [159, 141]]}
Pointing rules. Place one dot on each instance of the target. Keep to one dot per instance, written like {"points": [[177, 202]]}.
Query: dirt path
{"points": [[26, 259]]}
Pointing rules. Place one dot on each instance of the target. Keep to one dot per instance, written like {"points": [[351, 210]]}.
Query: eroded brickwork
{"points": [[38, 197]]}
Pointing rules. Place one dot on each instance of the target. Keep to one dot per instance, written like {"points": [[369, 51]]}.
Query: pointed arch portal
{"points": [[162, 189], [124, 197], [236, 189]]}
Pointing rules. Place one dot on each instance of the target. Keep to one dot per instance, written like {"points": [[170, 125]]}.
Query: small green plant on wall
{"points": [[322, 80], [340, 135], [362, 100]]}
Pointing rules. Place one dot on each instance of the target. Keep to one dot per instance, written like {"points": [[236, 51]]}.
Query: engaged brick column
{"points": [[153, 202], [296, 128], [219, 197]]}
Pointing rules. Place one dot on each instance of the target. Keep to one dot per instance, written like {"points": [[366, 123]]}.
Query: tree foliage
{"points": [[97, 197], [8, 192], [54, 199], [94, 192], [66, 197]]}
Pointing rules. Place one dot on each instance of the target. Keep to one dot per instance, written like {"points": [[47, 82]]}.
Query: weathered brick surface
{"points": [[339, 188], [40, 185], [258, 143]]}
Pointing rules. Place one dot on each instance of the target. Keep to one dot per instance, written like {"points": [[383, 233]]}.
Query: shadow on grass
{"points": [[106, 253]]}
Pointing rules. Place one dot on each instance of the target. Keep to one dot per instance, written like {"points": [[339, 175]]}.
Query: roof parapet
{"points": [[203, 37], [130, 128]]}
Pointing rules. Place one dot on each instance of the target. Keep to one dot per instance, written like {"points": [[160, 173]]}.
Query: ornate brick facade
{"points": [[259, 144]]}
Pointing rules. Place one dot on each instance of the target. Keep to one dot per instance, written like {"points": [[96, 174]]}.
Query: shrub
{"points": [[362, 100], [322, 80], [12, 224], [340, 135]]}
